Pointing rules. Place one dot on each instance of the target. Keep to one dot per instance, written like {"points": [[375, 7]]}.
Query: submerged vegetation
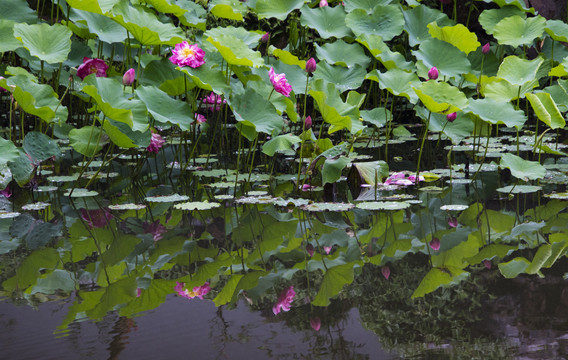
{"points": [[277, 150]]}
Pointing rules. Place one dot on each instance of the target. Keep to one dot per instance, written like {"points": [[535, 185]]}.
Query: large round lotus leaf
{"points": [[343, 78], [519, 189], [51, 44], [495, 112], [516, 31], [327, 21], [105, 28], [521, 168], [520, 4], [334, 110], [381, 51], [489, 18], [518, 71], [328, 207], [8, 151], [385, 20], [546, 110], [40, 146], [377, 116], [367, 5], [234, 50], [18, 11], [341, 53], [7, 40], [123, 136], [22, 169], [503, 91], [145, 27], [95, 6], [254, 109], [417, 20], [250, 38], [397, 82], [383, 205], [188, 12], [164, 75], [276, 9], [280, 143], [441, 97], [456, 131], [448, 59], [228, 9], [88, 140], [165, 108], [208, 78], [36, 206], [197, 205], [558, 30], [457, 35]]}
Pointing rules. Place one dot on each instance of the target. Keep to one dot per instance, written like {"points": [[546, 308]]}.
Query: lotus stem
{"points": [[422, 148]]}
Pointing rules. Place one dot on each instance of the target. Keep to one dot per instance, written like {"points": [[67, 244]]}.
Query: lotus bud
{"points": [[451, 117], [323, 3], [311, 65], [435, 244], [433, 73], [308, 122], [128, 77], [486, 48], [265, 37], [385, 270]]}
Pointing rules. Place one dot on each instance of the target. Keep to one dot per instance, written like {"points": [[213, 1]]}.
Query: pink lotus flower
{"points": [[307, 187], [215, 102], [413, 178], [386, 271], [129, 77], [311, 65], [433, 73], [486, 48], [265, 37], [7, 192], [92, 66], [453, 222], [198, 291], [435, 244], [315, 323], [187, 55], [451, 117], [155, 228], [327, 249], [308, 123], [323, 3], [200, 118], [156, 143], [487, 264], [1, 88], [97, 218], [280, 83], [138, 292], [310, 249], [284, 301]]}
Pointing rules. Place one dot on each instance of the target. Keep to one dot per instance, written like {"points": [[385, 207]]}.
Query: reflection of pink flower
{"points": [[453, 222], [129, 77], [198, 291], [386, 271], [187, 55], [156, 143], [435, 244], [215, 101], [97, 218], [284, 300], [92, 66], [155, 228], [138, 292], [315, 323], [279, 82]]}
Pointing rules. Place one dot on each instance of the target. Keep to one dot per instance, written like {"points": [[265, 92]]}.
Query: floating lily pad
{"points": [[519, 189], [255, 200], [459, 181], [257, 193], [397, 197], [224, 197], [431, 189], [129, 206], [212, 173], [383, 205], [36, 206], [328, 207], [291, 202], [454, 207], [46, 188], [167, 198], [8, 215], [80, 192], [221, 185], [558, 196], [196, 205]]}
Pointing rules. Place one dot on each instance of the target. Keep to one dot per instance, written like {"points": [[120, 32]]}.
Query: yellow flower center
{"points": [[187, 52]]}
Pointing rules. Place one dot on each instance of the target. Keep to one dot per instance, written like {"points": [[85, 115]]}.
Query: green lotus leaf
{"points": [[164, 108], [253, 109], [17, 11], [235, 51], [277, 9], [328, 207], [367, 5], [448, 59], [383, 205], [341, 53], [105, 28], [546, 110], [145, 27], [495, 112], [332, 169], [377, 116], [250, 38], [380, 50], [372, 172], [438, 277], [441, 97], [163, 74], [38, 99], [51, 44], [521, 168], [456, 131], [286, 57], [503, 91], [386, 21], [188, 12], [8, 151], [95, 6], [334, 111], [327, 21], [280, 143], [8, 41], [417, 20], [22, 168], [167, 198], [558, 30], [489, 18], [516, 31], [518, 71], [228, 9], [520, 4], [397, 82], [558, 71], [114, 103], [85, 140], [457, 35], [40, 146], [559, 95], [344, 78], [123, 136]]}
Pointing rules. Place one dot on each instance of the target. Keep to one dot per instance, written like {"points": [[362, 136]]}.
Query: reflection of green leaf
{"points": [[437, 277], [521, 168], [333, 281], [29, 270], [150, 298], [117, 293], [514, 267]]}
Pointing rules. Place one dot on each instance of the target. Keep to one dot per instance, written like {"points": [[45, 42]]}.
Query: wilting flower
{"points": [[187, 55], [155, 228], [486, 48], [453, 222], [128, 77], [200, 118], [323, 3], [308, 122], [315, 323], [279, 82], [92, 66], [433, 73], [310, 249], [386, 271], [156, 143], [487, 264], [435, 244], [214, 101], [96, 218], [198, 291], [451, 117], [284, 301], [265, 37], [311, 65]]}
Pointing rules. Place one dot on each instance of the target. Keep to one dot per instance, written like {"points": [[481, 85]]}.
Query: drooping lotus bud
{"points": [[486, 48], [451, 117], [308, 122], [128, 77], [433, 73], [265, 37], [311, 65]]}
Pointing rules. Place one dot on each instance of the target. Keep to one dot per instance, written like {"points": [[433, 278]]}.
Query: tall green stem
{"points": [[422, 148]]}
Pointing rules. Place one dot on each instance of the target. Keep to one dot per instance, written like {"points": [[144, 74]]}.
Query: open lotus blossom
{"points": [[214, 102], [323, 3], [279, 82], [200, 118], [433, 73], [315, 323], [156, 229], [311, 65], [435, 244], [486, 48], [284, 301], [187, 55], [156, 143], [386, 271], [265, 37], [399, 178], [198, 291], [453, 222], [129, 77], [96, 218], [92, 66], [451, 117]]}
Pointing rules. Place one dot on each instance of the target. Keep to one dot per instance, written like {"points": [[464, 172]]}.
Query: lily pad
{"points": [[80, 192], [328, 207], [516, 31], [167, 198], [36, 206], [129, 206], [383, 205], [196, 205], [454, 207], [327, 21], [8, 215], [519, 189]]}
